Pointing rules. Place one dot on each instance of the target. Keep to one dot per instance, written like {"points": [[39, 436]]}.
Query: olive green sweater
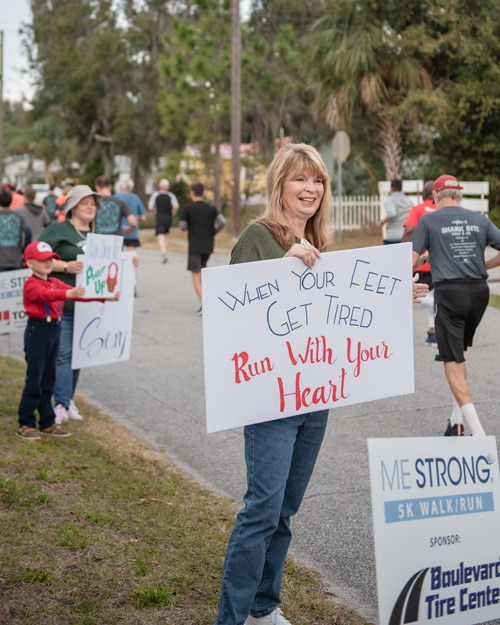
{"points": [[257, 242]]}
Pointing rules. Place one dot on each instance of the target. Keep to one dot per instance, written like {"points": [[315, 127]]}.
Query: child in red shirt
{"points": [[42, 299]]}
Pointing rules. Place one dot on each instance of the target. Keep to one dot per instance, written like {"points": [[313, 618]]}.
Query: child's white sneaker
{"points": [[275, 618], [73, 412], [61, 414]]}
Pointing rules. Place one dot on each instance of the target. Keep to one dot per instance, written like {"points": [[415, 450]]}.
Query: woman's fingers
{"points": [[308, 253]]}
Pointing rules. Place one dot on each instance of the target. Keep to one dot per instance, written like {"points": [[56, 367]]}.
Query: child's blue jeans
{"points": [[41, 344]]}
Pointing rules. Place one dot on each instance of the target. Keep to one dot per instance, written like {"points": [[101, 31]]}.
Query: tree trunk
{"points": [[109, 160], [235, 118], [49, 177], [29, 168], [158, 29], [139, 182], [217, 173], [390, 148]]}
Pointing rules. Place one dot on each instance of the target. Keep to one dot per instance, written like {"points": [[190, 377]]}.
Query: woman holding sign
{"points": [[280, 455], [68, 239]]}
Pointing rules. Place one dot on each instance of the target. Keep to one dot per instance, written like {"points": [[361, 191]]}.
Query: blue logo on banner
{"points": [[434, 507], [412, 591]]}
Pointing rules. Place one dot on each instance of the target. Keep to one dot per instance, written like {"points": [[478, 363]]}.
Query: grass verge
{"points": [[494, 300], [98, 529]]}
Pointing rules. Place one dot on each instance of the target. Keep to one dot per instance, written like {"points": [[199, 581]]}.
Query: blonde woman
{"points": [[280, 455]]}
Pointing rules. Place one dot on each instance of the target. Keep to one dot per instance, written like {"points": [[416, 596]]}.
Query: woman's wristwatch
{"points": [[65, 270]]}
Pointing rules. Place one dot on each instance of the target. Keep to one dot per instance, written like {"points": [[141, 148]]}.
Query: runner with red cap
{"points": [[456, 239]]}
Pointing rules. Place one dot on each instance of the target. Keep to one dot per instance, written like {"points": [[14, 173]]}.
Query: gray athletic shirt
{"points": [[397, 207], [456, 239]]}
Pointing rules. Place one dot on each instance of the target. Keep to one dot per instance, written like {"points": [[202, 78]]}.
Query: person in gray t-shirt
{"points": [[36, 216], [397, 207], [456, 239]]}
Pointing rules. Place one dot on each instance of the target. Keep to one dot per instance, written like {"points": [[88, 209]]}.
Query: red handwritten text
{"points": [[245, 372], [315, 351], [359, 355], [320, 395]]}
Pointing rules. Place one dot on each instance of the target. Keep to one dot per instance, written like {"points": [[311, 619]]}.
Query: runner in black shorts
{"points": [[165, 205], [196, 262], [462, 304], [202, 221], [163, 224], [456, 239]]}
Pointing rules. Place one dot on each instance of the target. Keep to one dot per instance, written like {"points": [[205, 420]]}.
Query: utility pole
{"points": [[1, 106], [235, 118]]}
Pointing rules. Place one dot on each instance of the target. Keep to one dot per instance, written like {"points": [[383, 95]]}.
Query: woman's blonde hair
{"points": [[289, 161]]}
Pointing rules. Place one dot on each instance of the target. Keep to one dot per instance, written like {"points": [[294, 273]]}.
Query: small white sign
{"points": [[12, 314], [436, 516], [102, 273], [102, 332], [281, 339]]}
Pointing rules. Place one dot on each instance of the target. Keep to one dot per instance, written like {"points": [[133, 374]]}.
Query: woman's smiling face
{"points": [[85, 209], [302, 195]]}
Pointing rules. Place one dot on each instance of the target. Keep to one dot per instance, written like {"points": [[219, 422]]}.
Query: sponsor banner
{"points": [[12, 314], [101, 275], [282, 339], [103, 330], [436, 514]]}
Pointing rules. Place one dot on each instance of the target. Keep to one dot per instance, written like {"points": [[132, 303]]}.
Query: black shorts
{"points": [[162, 225], [460, 306], [425, 278], [196, 262], [131, 242]]}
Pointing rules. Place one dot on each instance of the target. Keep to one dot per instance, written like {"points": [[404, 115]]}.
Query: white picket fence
{"points": [[358, 211]]}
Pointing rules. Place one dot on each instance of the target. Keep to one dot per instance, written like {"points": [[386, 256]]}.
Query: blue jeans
{"points": [[280, 457], [66, 377], [41, 342]]}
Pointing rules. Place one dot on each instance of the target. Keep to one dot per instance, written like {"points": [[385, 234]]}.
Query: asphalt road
{"points": [[159, 396]]}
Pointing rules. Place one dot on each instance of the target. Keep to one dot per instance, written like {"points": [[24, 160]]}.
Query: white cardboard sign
{"points": [[12, 314], [281, 339], [101, 275], [102, 331], [436, 516]]}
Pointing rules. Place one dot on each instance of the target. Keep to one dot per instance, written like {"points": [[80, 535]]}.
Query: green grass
{"points": [[98, 529], [494, 300], [154, 594]]}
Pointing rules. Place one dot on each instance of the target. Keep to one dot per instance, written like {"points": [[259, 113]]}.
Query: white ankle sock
{"points": [[470, 416], [456, 415]]}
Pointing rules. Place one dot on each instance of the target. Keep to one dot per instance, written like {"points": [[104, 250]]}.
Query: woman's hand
{"points": [[308, 253], [74, 266], [135, 261], [419, 289]]}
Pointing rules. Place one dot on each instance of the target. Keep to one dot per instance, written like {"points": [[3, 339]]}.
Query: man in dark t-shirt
{"points": [[49, 201], [15, 234], [202, 221], [108, 219], [456, 239]]}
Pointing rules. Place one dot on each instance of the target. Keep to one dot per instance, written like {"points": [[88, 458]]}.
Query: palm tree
{"points": [[365, 63]]}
